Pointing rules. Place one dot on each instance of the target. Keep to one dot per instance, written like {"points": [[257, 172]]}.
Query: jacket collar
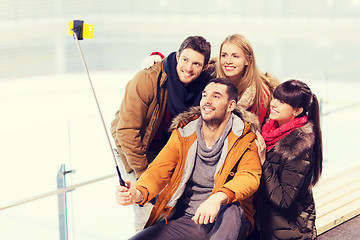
{"points": [[297, 142], [193, 113]]}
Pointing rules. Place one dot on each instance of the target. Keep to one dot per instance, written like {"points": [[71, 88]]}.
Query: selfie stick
{"points": [[78, 31]]}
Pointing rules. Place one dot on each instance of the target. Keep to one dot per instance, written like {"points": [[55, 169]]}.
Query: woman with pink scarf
{"points": [[290, 149]]}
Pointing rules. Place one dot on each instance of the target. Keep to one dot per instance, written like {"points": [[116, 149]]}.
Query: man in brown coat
{"points": [[152, 98]]}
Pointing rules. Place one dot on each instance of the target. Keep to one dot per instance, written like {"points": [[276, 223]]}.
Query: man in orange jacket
{"points": [[206, 174]]}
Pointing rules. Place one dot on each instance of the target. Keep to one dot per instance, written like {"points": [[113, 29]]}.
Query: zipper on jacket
{"points": [[237, 162], [166, 214]]}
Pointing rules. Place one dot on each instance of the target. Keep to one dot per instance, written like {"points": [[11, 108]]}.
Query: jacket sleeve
{"points": [[247, 177], [130, 120], [282, 187], [158, 175]]}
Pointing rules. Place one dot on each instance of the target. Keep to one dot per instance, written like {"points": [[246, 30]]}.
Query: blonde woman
{"points": [[236, 62]]}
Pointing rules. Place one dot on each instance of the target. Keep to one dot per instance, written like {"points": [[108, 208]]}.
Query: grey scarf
{"points": [[201, 182], [211, 155]]}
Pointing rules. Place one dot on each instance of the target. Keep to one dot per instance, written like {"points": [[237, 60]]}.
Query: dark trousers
{"points": [[231, 223]]}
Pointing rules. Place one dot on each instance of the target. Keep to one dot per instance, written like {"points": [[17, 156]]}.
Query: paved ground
{"points": [[349, 230]]}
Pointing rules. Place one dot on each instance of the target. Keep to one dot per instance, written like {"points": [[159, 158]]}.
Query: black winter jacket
{"points": [[286, 208]]}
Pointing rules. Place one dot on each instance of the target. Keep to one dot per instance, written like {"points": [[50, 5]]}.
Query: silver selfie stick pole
{"points": [[122, 183]]}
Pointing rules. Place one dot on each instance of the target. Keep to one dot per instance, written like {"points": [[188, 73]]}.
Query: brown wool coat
{"points": [[139, 117]]}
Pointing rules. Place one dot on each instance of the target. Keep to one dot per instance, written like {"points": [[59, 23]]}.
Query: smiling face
{"points": [[190, 64], [282, 112], [232, 61], [215, 105]]}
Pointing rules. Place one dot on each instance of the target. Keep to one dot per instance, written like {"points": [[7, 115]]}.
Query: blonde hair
{"points": [[251, 76]]}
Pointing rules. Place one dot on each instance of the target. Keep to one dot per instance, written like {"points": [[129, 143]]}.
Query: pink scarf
{"points": [[272, 133]]}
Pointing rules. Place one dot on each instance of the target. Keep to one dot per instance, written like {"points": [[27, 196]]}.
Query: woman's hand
{"points": [[260, 143]]}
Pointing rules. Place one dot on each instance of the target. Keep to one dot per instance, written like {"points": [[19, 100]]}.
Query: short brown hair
{"points": [[231, 88], [198, 44]]}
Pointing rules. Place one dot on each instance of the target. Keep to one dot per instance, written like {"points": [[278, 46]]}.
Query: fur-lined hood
{"points": [[297, 142], [194, 112]]}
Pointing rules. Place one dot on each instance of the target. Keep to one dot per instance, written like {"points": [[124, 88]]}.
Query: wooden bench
{"points": [[337, 199]]}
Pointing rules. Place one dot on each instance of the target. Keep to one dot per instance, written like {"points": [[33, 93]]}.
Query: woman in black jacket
{"points": [[290, 149]]}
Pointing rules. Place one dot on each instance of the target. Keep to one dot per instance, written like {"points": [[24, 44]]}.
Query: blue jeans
{"points": [[230, 224]]}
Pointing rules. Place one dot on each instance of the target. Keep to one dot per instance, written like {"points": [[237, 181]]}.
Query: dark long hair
{"points": [[298, 95]]}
